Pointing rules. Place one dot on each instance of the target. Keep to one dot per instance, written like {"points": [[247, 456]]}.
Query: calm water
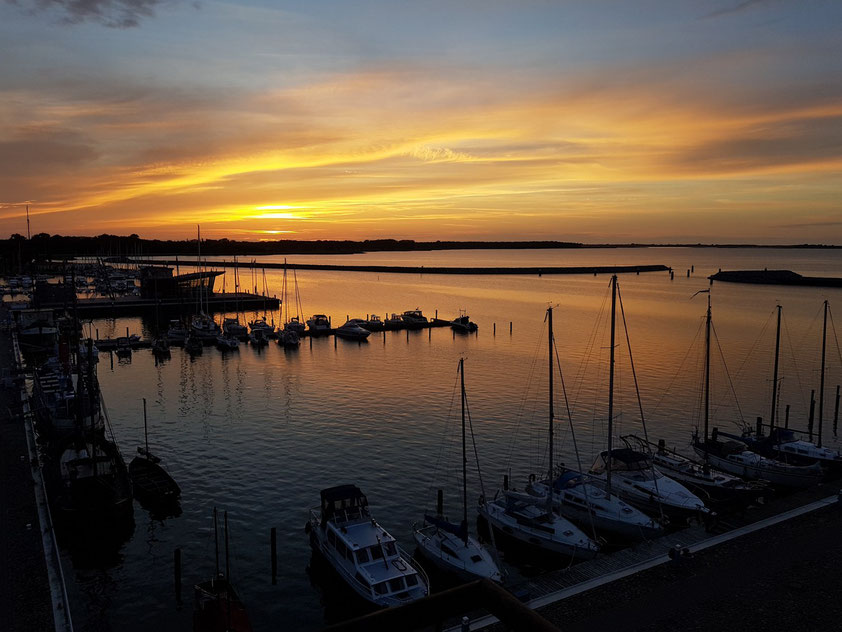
{"points": [[260, 433]]}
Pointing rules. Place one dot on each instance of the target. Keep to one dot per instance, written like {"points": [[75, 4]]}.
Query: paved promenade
{"points": [[25, 602]]}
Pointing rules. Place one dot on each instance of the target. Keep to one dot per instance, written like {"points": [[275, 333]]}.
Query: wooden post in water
{"points": [[440, 503], [177, 574], [786, 417], [495, 329], [510, 328], [836, 411], [273, 546]]}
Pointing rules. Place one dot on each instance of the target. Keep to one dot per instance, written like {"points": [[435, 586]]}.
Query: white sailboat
{"points": [[630, 473], [532, 520], [450, 546]]}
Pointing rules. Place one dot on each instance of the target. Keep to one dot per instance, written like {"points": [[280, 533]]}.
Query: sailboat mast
{"points": [[551, 411], [216, 542], [707, 380], [145, 431], [775, 373], [464, 456], [611, 383], [821, 381]]}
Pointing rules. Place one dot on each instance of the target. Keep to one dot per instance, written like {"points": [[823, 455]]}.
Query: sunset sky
{"points": [[595, 121]]}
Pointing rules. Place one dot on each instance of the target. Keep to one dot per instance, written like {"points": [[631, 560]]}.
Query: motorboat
{"points": [[374, 323], [352, 330], [318, 324], [232, 327], [289, 338], [364, 555], [205, 327], [393, 322], [258, 337], [294, 324], [177, 332], [414, 319], [259, 325], [463, 325]]}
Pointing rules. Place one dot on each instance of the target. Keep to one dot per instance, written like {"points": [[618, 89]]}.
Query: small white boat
{"points": [[447, 545], [351, 330], [364, 555]]}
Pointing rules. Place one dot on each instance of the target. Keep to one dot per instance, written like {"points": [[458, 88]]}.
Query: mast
{"points": [[821, 381], [216, 542], [551, 411], [464, 458], [775, 374], [707, 383], [611, 384], [145, 431]]}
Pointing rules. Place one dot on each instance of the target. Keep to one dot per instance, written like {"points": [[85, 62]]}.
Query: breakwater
{"points": [[774, 277], [532, 271]]}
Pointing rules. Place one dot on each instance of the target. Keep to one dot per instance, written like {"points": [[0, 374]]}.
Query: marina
{"points": [[260, 431]]}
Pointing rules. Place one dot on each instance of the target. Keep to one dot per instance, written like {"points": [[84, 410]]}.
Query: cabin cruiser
{"points": [[374, 323], [260, 325], [318, 324], [177, 332], [234, 328], [463, 325], [205, 327], [364, 555], [294, 324], [352, 330], [414, 319]]}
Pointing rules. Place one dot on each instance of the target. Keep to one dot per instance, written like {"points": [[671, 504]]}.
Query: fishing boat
{"points": [[364, 555], [217, 606], [352, 330], [447, 545], [462, 324], [532, 520], [152, 484], [414, 319], [631, 473], [733, 456], [374, 323], [318, 324]]}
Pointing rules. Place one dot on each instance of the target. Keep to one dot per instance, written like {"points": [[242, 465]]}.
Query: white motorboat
{"points": [[364, 555], [351, 330], [449, 546]]}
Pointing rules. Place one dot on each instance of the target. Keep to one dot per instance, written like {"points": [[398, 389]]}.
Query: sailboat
{"points": [[532, 520], [216, 605], [637, 480], [152, 484], [447, 545], [292, 322], [733, 455], [781, 443]]}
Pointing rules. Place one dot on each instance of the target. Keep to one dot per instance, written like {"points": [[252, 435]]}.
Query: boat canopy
{"points": [[344, 500], [459, 530], [622, 459]]}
